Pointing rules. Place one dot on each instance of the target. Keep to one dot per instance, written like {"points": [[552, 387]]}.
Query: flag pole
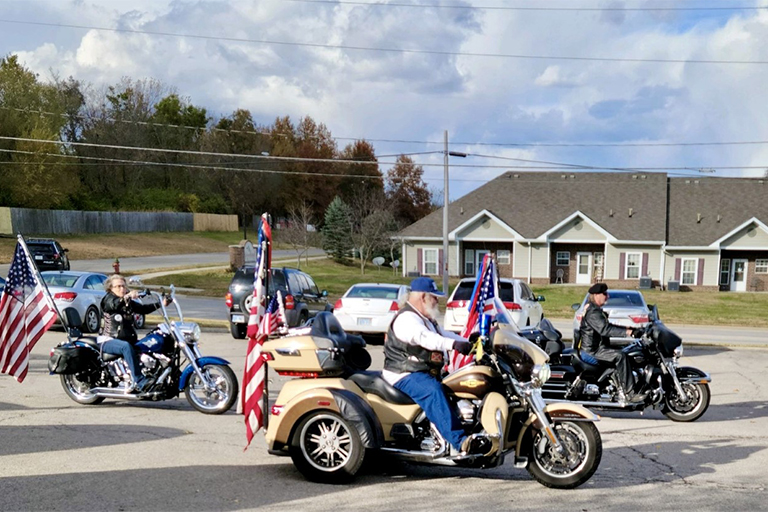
{"points": [[44, 285], [268, 255]]}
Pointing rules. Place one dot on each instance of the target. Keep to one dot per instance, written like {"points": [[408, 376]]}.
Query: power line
{"points": [[537, 8], [391, 50], [406, 141]]}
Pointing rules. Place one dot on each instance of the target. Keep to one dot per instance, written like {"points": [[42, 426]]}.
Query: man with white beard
{"points": [[414, 356]]}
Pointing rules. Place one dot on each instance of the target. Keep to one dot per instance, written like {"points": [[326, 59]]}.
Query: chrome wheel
{"points": [[582, 451], [79, 391], [326, 448], [688, 407], [217, 397]]}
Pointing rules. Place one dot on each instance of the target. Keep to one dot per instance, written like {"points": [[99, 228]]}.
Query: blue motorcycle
{"points": [[169, 356]]}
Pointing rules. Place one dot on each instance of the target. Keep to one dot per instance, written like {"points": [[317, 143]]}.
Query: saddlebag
{"points": [[70, 359]]}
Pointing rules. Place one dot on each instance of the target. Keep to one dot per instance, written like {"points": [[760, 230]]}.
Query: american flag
{"points": [[26, 312], [481, 303], [255, 371]]}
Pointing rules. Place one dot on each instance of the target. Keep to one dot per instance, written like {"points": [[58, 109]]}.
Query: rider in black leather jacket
{"points": [[596, 332]]}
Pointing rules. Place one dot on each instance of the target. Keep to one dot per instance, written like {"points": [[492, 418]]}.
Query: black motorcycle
{"points": [[169, 356], [680, 392]]}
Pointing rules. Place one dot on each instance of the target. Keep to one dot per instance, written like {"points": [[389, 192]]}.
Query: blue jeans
{"points": [[426, 391], [125, 349]]}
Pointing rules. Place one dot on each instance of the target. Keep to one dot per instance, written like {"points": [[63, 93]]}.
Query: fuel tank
{"points": [[472, 382]]}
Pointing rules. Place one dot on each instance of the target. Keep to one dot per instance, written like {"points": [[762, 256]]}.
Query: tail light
{"points": [[303, 375], [513, 306], [56, 256], [639, 319], [455, 304], [275, 410], [394, 307], [65, 296], [266, 356], [579, 317], [228, 300], [337, 305], [289, 302]]}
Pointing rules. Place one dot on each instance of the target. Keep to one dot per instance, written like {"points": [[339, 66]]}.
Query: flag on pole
{"points": [[26, 312], [255, 371], [482, 303]]}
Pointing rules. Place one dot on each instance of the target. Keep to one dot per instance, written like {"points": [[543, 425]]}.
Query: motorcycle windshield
{"points": [[506, 340]]}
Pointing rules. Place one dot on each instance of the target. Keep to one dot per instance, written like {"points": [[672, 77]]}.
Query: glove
{"points": [[473, 337], [638, 333], [462, 347]]}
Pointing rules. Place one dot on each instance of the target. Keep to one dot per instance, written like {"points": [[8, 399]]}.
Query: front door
{"points": [[739, 276], [479, 255], [583, 267]]}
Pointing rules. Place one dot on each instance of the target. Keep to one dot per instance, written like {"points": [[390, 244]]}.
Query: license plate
{"points": [[38, 257], [238, 319], [363, 321]]}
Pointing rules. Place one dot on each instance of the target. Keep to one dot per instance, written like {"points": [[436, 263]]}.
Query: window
{"points": [[632, 270], [430, 262], [761, 266], [502, 257], [689, 270], [563, 258], [725, 271], [525, 292], [469, 262]]}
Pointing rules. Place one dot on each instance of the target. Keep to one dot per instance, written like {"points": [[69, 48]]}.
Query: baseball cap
{"points": [[427, 285]]}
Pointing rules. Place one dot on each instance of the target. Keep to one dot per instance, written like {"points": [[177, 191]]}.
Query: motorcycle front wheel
{"points": [[217, 399], [79, 391], [583, 449], [689, 407], [326, 448]]}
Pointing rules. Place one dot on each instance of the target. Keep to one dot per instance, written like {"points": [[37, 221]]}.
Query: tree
{"points": [[359, 151], [406, 191], [370, 223], [296, 233], [337, 240]]}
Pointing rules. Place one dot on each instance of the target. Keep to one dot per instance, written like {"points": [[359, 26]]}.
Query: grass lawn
{"points": [[702, 308]]}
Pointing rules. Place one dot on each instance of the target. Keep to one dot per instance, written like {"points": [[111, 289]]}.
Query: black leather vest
{"points": [[402, 357]]}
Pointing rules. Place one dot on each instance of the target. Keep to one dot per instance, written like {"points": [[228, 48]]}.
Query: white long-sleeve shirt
{"points": [[415, 329]]}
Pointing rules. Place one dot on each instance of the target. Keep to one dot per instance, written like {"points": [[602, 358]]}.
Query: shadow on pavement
{"points": [[15, 440]]}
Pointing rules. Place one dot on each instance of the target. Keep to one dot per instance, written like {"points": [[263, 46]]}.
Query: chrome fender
{"points": [[201, 363], [691, 374]]}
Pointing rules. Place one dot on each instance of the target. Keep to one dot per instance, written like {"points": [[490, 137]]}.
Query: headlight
{"points": [[678, 352], [191, 332], [541, 374]]}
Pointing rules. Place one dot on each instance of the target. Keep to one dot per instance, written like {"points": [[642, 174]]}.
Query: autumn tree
{"points": [[406, 191], [362, 177]]}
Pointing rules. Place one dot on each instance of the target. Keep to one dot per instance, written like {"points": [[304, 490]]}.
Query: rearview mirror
{"points": [[654, 312], [575, 307], [540, 298], [324, 293]]}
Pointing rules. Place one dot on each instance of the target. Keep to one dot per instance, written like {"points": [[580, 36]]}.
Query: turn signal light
{"points": [[65, 296], [228, 300], [290, 303], [302, 375], [512, 306], [337, 305], [275, 410], [267, 356]]}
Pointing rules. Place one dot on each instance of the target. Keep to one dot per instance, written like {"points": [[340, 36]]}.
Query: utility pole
{"points": [[445, 213]]}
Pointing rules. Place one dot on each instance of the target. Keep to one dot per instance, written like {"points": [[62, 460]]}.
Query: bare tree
{"points": [[371, 222], [296, 234]]}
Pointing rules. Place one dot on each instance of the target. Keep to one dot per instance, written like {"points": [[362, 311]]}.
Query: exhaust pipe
{"points": [[114, 393], [607, 405]]}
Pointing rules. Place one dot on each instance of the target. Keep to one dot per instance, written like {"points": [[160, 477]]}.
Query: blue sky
{"points": [[412, 96]]}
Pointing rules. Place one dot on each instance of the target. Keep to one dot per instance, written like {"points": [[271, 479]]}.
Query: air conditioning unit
{"points": [[646, 283], [673, 286]]}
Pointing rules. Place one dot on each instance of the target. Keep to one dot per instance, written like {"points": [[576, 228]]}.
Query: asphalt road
{"points": [[57, 455]]}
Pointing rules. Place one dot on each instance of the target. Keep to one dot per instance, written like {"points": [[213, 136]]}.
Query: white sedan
{"points": [[80, 290], [369, 308]]}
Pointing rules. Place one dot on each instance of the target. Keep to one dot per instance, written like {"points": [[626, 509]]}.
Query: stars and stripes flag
{"points": [[482, 303], [255, 369], [26, 312]]}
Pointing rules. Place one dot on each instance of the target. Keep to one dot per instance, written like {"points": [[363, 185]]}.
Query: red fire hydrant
{"points": [[116, 266]]}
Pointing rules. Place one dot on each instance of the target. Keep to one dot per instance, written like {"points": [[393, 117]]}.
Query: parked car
{"points": [[516, 295], [2, 284], [300, 294], [368, 308], [48, 254], [80, 290], [626, 308]]}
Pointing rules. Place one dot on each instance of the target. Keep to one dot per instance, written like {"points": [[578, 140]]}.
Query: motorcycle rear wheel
{"points": [[326, 448], [217, 401], [584, 450], [79, 391], [688, 408]]}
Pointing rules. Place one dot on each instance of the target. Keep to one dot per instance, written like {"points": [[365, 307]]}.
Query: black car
{"points": [[48, 254], [301, 297]]}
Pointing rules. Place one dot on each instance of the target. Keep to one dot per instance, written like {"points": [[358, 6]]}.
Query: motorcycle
{"points": [[336, 413], [169, 355], [681, 392]]}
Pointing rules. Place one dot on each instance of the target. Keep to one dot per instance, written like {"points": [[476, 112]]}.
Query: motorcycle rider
{"points": [[118, 332], [596, 331], [413, 359]]}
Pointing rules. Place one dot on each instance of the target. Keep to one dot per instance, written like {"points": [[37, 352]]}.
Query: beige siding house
{"points": [[710, 233]]}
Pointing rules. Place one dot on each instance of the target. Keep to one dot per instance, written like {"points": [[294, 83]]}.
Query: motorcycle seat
{"points": [[585, 361], [325, 325], [371, 382]]}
